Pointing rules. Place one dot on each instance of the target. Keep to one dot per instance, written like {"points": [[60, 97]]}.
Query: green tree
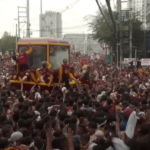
{"points": [[97, 24], [102, 33], [7, 42]]}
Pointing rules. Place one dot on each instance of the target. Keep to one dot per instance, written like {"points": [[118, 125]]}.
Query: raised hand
{"points": [[49, 134]]}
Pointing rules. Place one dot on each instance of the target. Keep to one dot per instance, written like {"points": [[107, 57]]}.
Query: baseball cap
{"points": [[16, 136], [99, 133]]}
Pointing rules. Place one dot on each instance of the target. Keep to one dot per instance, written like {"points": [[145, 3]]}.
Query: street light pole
{"points": [[117, 54], [130, 30], [120, 30]]}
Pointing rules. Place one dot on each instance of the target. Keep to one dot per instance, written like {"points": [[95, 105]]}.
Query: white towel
{"points": [[131, 125], [119, 144]]}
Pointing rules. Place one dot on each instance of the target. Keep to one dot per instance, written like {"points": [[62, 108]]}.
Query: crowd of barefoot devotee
{"points": [[108, 111]]}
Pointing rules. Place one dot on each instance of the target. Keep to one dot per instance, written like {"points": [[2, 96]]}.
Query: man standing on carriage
{"points": [[54, 77], [44, 72], [21, 58], [64, 74]]}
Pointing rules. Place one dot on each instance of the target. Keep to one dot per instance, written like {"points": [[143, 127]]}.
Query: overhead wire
{"points": [[63, 32], [23, 24], [66, 8], [74, 27], [99, 6], [73, 5], [70, 6], [68, 22], [69, 27]]}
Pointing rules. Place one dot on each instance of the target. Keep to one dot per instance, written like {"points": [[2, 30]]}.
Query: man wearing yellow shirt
{"points": [[44, 72], [54, 77]]}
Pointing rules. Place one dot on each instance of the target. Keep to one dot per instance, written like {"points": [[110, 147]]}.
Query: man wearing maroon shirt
{"points": [[21, 58], [43, 73], [64, 73]]}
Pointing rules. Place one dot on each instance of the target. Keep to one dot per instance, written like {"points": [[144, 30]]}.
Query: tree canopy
{"points": [[97, 24], [103, 34], [7, 42]]}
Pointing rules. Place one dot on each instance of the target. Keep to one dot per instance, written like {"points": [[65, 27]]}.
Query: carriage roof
{"points": [[42, 40]]}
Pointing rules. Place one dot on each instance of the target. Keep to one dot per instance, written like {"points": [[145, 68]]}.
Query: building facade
{"points": [[83, 43], [51, 24], [138, 9]]}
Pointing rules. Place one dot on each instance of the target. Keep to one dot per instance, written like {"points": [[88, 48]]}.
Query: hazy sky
{"points": [[73, 18]]}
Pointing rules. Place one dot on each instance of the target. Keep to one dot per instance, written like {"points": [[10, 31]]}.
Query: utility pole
{"points": [[117, 30], [25, 20], [120, 29], [144, 40], [21, 10], [28, 20], [16, 36], [135, 54], [85, 44], [130, 29], [41, 18]]}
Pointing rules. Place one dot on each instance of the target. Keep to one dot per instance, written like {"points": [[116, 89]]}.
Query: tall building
{"points": [[138, 9], [51, 24], [83, 43]]}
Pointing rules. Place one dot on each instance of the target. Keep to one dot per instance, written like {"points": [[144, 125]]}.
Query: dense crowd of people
{"points": [[112, 114]]}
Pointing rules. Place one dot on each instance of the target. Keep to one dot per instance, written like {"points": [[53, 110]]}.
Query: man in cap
{"points": [[16, 137]]}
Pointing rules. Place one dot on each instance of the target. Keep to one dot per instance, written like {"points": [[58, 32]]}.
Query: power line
{"points": [[64, 28], [59, 32], [80, 4], [73, 27], [56, 30], [97, 1], [63, 22], [69, 7]]}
